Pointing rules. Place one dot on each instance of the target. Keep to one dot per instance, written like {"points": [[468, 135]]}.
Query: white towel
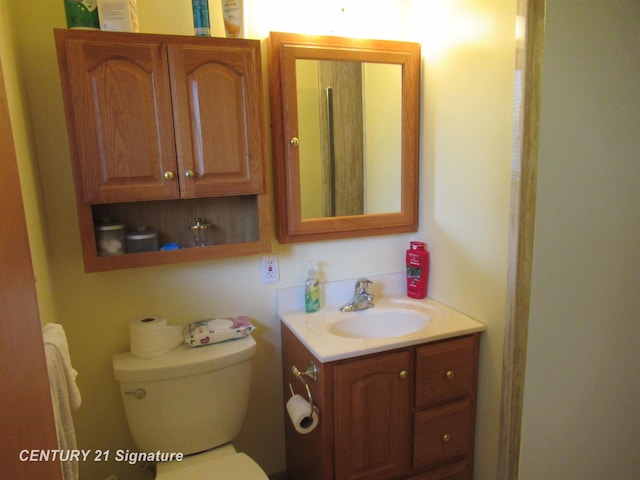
{"points": [[65, 395]]}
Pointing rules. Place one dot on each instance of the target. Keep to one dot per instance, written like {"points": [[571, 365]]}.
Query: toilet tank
{"points": [[187, 400]]}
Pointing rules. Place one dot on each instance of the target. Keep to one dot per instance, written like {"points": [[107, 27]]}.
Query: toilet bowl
{"points": [[191, 401], [220, 463]]}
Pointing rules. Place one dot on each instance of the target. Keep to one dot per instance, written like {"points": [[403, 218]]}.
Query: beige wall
{"points": [[466, 130], [582, 389]]}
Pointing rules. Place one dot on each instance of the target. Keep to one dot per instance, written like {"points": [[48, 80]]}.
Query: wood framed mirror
{"points": [[345, 131]]}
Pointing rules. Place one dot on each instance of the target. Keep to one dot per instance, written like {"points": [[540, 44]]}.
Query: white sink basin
{"points": [[379, 323], [395, 321]]}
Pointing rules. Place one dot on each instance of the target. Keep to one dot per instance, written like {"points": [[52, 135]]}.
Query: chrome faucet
{"points": [[362, 299]]}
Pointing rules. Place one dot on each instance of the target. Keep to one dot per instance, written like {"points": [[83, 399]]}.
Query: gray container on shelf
{"points": [[142, 240]]}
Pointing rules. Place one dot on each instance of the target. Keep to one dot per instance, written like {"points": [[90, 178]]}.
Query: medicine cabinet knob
{"points": [[190, 174], [404, 374], [294, 141], [168, 175], [449, 375], [446, 438]]}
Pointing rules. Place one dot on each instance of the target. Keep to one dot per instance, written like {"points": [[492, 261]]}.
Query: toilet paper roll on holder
{"points": [[311, 372]]}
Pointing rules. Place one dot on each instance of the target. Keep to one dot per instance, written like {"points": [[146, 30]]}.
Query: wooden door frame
{"points": [[523, 203], [26, 413]]}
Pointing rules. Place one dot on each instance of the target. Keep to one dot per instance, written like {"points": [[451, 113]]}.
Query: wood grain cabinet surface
{"points": [[372, 413], [160, 117], [406, 414]]}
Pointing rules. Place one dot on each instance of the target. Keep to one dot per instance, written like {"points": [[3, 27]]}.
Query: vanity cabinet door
{"points": [[122, 119], [372, 417], [217, 109]]}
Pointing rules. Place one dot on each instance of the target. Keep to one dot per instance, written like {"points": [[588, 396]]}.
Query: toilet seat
{"points": [[212, 466]]}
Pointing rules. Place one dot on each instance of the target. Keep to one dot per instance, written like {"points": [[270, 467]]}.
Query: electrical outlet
{"points": [[269, 269]]}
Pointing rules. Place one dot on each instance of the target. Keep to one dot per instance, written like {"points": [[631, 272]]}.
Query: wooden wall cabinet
{"points": [[404, 414], [156, 120]]}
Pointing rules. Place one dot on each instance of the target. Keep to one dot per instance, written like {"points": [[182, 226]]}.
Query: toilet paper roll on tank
{"points": [[299, 410], [150, 336]]}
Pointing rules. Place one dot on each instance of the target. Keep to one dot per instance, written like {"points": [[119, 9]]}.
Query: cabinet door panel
{"points": [[123, 120], [372, 422], [217, 110]]}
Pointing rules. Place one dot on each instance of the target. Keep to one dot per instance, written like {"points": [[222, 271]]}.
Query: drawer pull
{"points": [[446, 438], [449, 375], [404, 374]]}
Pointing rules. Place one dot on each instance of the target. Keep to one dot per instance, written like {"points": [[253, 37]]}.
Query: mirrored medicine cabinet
{"points": [[345, 126]]}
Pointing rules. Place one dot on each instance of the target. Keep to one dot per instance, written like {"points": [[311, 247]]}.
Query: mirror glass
{"points": [[349, 127], [345, 131]]}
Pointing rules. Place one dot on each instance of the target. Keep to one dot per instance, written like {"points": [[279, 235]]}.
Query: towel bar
{"points": [[312, 373]]}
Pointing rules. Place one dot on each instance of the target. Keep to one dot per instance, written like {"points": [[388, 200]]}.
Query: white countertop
{"points": [[312, 329]]}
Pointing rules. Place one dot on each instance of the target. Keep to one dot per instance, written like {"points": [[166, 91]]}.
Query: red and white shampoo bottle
{"points": [[417, 270]]}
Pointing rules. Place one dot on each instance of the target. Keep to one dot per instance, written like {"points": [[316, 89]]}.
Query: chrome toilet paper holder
{"points": [[311, 372]]}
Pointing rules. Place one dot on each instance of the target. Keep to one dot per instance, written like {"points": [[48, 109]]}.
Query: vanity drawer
{"points": [[455, 471], [442, 434], [446, 370]]}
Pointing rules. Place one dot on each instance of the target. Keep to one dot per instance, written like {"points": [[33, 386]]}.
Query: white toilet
{"points": [[191, 401]]}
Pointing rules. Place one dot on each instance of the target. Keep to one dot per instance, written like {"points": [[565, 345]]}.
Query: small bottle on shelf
{"points": [[201, 25]]}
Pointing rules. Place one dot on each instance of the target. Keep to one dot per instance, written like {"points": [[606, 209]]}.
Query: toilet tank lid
{"points": [[183, 361]]}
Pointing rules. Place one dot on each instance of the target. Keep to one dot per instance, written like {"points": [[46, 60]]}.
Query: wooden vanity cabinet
{"points": [[155, 118], [403, 414]]}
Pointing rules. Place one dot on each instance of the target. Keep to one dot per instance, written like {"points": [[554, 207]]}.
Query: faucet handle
{"points": [[362, 285]]}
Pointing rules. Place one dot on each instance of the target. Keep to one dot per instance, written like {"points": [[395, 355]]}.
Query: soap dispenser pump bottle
{"points": [[312, 289]]}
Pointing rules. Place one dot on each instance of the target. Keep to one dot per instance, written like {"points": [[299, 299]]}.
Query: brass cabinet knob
{"points": [[190, 174], [446, 438], [294, 141], [449, 375], [404, 374], [168, 175]]}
